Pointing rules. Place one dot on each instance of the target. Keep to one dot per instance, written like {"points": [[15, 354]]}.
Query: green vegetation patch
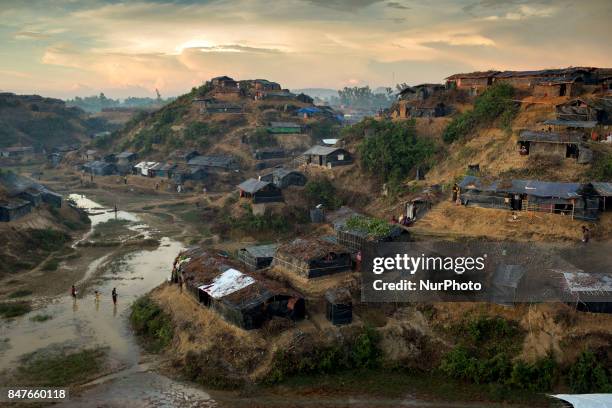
{"points": [[322, 191], [152, 324], [393, 149], [361, 352], [374, 227], [495, 104], [20, 293], [589, 375], [61, 369], [41, 318], [14, 309], [47, 239]]}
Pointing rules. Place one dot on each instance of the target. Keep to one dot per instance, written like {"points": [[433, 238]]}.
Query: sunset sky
{"points": [[64, 48]]}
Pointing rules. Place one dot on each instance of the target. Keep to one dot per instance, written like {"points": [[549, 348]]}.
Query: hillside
{"points": [[32, 120], [186, 124]]}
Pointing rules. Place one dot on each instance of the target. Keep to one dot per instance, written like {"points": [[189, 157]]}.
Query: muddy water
{"points": [[84, 322]]}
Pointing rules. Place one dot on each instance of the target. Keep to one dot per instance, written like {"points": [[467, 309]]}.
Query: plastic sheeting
{"points": [[587, 400]]}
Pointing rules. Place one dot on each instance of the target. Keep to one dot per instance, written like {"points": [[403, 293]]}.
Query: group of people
{"points": [[73, 293]]}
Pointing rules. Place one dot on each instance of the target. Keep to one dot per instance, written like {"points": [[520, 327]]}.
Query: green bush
{"points": [[14, 309], [394, 149], [538, 376], [601, 169], [588, 375], [261, 138], [152, 323], [61, 369], [47, 239], [496, 103], [371, 226], [363, 351], [322, 191]]}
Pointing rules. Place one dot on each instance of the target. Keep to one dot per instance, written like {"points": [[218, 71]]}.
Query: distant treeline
{"points": [[96, 103]]}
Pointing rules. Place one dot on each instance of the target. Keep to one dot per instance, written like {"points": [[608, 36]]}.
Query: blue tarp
{"points": [[309, 111]]}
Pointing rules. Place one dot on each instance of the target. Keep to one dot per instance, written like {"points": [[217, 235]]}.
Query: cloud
{"points": [[396, 5], [238, 48], [351, 5], [30, 35]]}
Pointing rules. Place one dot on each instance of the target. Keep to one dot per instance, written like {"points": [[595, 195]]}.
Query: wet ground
{"points": [[85, 322]]}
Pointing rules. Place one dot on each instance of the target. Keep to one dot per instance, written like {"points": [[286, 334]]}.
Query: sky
{"points": [[64, 48]]}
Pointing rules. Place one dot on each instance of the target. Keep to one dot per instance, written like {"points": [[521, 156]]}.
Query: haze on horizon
{"points": [[64, 48]]}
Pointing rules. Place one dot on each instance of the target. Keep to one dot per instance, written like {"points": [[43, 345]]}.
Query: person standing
{"points": [[586, 234], [114, 295], [73, 292]]}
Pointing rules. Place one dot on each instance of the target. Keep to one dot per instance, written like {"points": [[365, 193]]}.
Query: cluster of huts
{"points": [[241, 291], [582, 201], [547, 82], [184, 165], [22, 196], [268, 187]]}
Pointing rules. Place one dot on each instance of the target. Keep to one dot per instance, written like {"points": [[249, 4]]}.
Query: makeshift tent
{"points": [[260, 191], [339, 307], [505, 282], [312, 258], [590, 292], [240, 298], [257, 256]]}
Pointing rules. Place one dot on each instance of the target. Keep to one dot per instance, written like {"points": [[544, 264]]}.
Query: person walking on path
{"points": [[73, 292], [114, 295]]}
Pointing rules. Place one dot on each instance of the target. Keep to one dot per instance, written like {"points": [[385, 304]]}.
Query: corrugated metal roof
{"points": [[252, 185], [603, 189], [579, 281], [549, 137], [586, 124]]}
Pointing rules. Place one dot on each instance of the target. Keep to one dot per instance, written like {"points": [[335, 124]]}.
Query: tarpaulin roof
{"points": [[322, 150], [549, 137], [330, 142], [587, 124], [125, 155], [285, 124], [227, 283], [508, 275], [586, 400], [309, 110], [530, 187], [578, 281], [253, 185], [261, 251], [212, 161], [603, 189]]}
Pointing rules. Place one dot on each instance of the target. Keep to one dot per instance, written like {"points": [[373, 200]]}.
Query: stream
{"points": [[85, 323]]}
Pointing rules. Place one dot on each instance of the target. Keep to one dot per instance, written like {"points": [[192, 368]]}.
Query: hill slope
{"points": [[32, 120]]}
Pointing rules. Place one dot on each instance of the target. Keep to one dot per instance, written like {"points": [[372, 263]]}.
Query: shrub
{"points": [[14, 309], [588, 375], [322, 191], [494, 104], [152, 323], [538, 376], [394, 150]]}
